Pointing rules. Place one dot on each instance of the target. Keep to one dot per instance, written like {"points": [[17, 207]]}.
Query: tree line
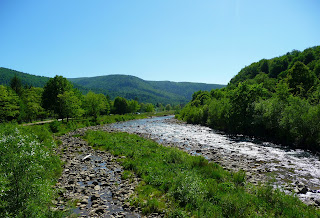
{"points": [[284, 108], [59, 99]]}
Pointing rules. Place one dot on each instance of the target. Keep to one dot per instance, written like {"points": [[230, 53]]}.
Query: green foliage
{"points": [[70, 105], [9, 104], [54, 87], [95, 104], [284, 108], [301, 79], [120, 105], [189, 186], [154, 92], [133, 106], [149, 107], [31, 104], [54, 126], [168, 107], [277, 67], [16, 85], [28, 169], [6, 75]]}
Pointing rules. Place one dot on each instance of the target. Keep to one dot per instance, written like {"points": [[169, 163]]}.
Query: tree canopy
{"points": [[54, 87], [277, 99]]}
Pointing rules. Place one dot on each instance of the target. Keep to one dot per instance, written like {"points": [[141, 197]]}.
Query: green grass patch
{"points": [[182, 185]]}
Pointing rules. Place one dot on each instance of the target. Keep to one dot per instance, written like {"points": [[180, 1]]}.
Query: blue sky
{"points": [[175, 40]]}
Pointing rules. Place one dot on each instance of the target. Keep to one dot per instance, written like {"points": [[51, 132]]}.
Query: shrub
{"points": [[54, 126], [28, 168]]}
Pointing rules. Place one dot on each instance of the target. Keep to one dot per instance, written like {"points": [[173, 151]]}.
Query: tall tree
{"points": [[300, 78], [95, 104], [133, 106], [120, 105], [9, 104], [31, 101], [149, 107], [16, 85], [54, 87], [70, 105]]}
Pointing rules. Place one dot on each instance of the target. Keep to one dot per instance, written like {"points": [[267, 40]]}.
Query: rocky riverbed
{"points": [[91, 179], [293, 171]]}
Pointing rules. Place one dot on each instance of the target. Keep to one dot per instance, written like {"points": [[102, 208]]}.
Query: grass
{"points": [[29, 167], [181, 185]]}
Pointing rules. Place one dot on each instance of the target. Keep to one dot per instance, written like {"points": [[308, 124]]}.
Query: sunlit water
{"points": [[290, 167]]}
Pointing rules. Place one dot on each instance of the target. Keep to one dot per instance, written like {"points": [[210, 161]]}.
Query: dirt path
{"points": [[39, 123]]}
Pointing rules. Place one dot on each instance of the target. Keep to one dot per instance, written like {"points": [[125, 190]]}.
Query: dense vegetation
{"points": [[6, 76], [59, 99], [279, 67], [181, 185], [132, 87], [28, 169], [29, 165], [129, 87], [267, 99]]}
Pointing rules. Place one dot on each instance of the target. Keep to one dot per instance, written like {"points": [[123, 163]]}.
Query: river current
{"points": [[292, 170]]}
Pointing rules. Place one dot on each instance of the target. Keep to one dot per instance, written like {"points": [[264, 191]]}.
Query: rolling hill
{"points": [[129, 87], [132, 87]]}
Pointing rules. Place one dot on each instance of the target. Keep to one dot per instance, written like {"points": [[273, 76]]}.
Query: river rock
{"points": [[303, 190]]}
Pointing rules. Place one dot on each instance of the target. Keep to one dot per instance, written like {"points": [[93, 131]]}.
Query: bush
{"points": [[54, 126], [28, 168]]}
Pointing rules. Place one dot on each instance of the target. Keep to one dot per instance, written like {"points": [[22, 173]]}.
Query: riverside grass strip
{"points": [[181, 185]]}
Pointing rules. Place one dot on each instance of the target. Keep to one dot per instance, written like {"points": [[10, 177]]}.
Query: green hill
{"points": [[27, 79], [276, 99], [132, 87], [129, 87], [278, 67]]}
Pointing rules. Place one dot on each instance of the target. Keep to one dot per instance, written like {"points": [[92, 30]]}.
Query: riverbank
{"points": [[190, 185], [92, 180], [293, 171]]}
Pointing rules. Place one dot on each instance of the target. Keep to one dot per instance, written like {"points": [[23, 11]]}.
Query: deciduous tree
{"points": [[54, 87]]}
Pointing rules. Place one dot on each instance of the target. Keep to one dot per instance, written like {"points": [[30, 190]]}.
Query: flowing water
{"points": [[292, 170]]}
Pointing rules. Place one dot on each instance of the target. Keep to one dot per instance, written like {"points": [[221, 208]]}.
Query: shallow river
{"points": [[294, 171]]}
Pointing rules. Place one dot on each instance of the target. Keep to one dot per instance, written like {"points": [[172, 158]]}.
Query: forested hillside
{"points": [[27, 79], [276, 99], [132, 87], [278, 67], [185, 89], [129, 87]]}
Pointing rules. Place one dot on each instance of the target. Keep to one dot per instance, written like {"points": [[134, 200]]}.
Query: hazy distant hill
{"points": [[130, 87], [146, 91]]}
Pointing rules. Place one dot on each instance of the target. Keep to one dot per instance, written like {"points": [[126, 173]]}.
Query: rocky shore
{"points": [[259, 170], [91, 180]]}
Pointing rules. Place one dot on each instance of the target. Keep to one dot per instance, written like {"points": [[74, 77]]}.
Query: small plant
{"points": [[239, 177], [54, 126], [126, 175]]}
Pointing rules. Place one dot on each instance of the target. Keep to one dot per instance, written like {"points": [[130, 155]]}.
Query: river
{"points": [[292, 170]]}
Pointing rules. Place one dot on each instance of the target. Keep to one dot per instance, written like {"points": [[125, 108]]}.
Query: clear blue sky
{"points": [[177, 40]]}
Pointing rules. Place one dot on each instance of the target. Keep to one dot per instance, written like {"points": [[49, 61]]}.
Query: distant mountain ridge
{"points": [[129, 87], [146, 91]]}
